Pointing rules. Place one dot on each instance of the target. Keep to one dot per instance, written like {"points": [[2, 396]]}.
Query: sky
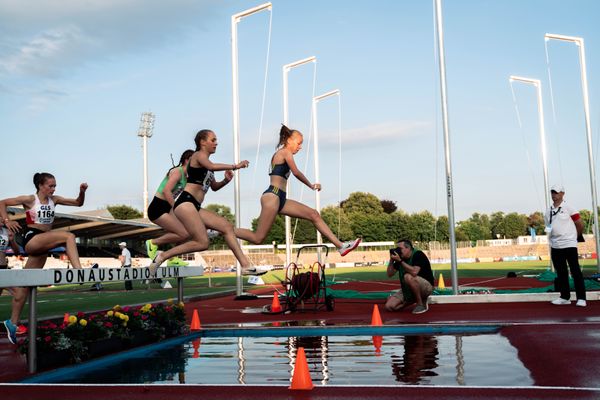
{"points": [[75, 77]]}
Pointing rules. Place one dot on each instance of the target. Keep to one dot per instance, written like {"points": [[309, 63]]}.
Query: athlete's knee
{"points": [[200, 244], [69, 237], [313, 215], [20, 295], [181, 237]]}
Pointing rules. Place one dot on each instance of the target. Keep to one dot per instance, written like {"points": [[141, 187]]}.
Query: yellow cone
{"points": [[441, 284]]}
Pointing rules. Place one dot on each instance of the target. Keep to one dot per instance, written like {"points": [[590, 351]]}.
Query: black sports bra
{"points": [[282, 170], [200, 176]]}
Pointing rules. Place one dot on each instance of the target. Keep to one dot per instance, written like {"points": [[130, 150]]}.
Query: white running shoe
{"points": [[581, 303], [154, 266], [347, 247], [561, 302]]}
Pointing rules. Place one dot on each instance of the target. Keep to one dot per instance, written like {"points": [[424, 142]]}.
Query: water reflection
{"points": [[419, 361], [340, 360]]}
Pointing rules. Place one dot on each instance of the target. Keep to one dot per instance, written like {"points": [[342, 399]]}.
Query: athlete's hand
{"points": [[12, 226], [83, 187], [316, 186], [229, 175], [243, 164]]}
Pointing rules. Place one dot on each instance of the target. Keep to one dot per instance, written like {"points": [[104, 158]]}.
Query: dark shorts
{"points": [[186, 197], [29, 234], [279, 193], [157, 208]]}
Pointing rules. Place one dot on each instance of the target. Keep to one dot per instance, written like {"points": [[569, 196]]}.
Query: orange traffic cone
{"points": [[377, 342], [195, 326], [66, 318], [196, 345], [376, 318], [301, 377], [275, 306]]}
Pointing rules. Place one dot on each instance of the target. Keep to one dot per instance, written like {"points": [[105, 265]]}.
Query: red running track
{"points": [[559, 345]]}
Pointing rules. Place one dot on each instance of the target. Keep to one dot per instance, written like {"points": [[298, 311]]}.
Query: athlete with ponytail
{"points": [[274, 201], [39, 237], [160, 210], [188, 206]]}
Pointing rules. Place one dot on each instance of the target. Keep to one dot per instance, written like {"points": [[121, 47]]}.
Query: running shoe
{"points": [[11, 331], [21, 330], [561, 302], [347, 247], [153, 266], [581, 303], [151, 249], [253, 271], [176, 262]]}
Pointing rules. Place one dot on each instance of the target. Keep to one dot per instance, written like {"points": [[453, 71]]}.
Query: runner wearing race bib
{"points": [[160, 210], [38, 236]]}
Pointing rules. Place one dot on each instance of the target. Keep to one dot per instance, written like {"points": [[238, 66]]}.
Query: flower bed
{"points": [[84, 336]]}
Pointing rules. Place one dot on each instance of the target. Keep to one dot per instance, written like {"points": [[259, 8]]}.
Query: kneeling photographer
{"points": [[416, 278]]}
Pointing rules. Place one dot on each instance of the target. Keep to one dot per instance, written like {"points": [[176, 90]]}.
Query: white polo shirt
{"points": [[126, 256], [564, 233]]}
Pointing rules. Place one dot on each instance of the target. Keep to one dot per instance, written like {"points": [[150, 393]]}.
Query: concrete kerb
{"points": [[504, 298]]}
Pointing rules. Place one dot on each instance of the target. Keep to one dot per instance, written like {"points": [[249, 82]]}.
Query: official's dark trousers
{"points": [[128, 284], [560, 258]]}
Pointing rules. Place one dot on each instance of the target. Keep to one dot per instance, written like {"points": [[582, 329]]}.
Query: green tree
{"points": [[362, 203], [124, 212], [277, 232], [304, 231], [478, 227], [422, 226], [225, 212], [515, 225], [536, 221], [442, 229], [388, 206], [338, 222], [398, 226], [497, 225], [371, 227], [587, 218]]}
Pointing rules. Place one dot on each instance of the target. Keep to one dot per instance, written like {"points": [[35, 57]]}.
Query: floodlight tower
{"points": [[315, 101], [235, 19], [145, 132], [588, 126], [288, 221]]}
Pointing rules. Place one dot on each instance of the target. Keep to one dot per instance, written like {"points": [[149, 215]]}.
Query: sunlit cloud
{"points": [[45, 38]]}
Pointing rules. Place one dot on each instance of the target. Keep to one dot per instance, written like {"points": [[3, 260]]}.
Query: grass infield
{"points": [[55, 301]]}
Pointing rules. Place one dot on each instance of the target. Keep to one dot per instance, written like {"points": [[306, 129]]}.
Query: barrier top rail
{"points": [[63, 276]]}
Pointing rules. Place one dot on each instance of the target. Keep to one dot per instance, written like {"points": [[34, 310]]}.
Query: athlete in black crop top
{"points": [[188, 209], [273, 200], [282, 169]]}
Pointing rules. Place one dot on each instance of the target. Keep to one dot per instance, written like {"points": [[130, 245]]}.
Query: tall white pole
{"points": [[145, 131], [537, 84], [145, 146], [449, 189], [236, 119], [315, 101], [588, 127], [288, 220]]}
